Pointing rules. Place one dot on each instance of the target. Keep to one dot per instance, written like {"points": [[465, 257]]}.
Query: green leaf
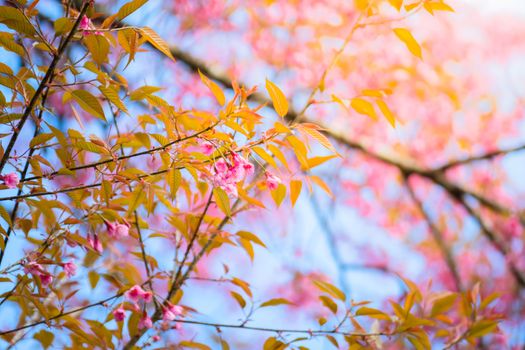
{"points": [[89, 103]]}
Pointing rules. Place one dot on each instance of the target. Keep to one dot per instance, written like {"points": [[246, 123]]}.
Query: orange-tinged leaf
{"points": [[251, 237], [386, 112], [280, 104], [295, 190], [323, 140], [222, 200], [437, 6], [317, 180], [364, 107], [214, 88], [374, 313], [265, 156], [411, 43], [330, 289], [396, 3], [129, 7], [278, 194], [240, 300], [154, 39]]}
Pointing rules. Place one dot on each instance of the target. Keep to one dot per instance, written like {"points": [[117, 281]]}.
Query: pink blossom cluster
{"points": [[87, 26], [136, 294], [35, 269], [11, 180], [46, 278], [227, 173]]}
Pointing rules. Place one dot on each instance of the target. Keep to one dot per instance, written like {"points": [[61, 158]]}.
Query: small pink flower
{"points": [[272, 181], [33, 268], [145, 322], [171, 312], [135, 293], [11, 180], [119, 314], [46, 279], [95, 243], [117, 230], [70, 268], [206, 147], [87, 26], [147, 297], [155, 338]]}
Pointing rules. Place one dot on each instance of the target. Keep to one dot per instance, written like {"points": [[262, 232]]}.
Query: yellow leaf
{"points": [[323, 140], [280, 104], [396, 3], [154, 39], [374, 313], [363, 107], [386, 112], [295, 190], [317, 180], [276, 301], [222, 200], [248, 248], [330, 289], [278, 194], [89, 103], [129, 7], [265, 156], [408, 39], [214, 88], [240, 300], [437, 6], [251, 237]]}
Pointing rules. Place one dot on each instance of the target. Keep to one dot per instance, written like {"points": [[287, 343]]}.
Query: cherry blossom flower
{"points": [[272, 181], [70, 268], [46, 279], [87, 26], [11, 180], [119, 314], [117, 230], [206, 147], [145, 322], [227, 173], [136, 293], [171, 312], [95, 243]]}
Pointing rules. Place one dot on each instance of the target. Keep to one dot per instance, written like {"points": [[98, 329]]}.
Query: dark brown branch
{"points": [[438, 238], [132, 155], [485, 156]]}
